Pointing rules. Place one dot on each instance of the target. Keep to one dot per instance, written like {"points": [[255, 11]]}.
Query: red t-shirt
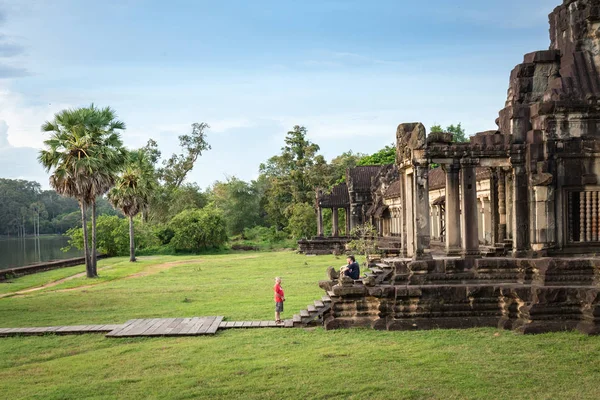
{"points": [[278, 291]]}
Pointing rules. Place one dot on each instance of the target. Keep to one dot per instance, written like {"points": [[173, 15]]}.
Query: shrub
{"points": [[196, 230], [112, 235]]}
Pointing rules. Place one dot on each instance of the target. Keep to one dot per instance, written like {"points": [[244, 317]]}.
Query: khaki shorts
{"points": [[279, 306]]}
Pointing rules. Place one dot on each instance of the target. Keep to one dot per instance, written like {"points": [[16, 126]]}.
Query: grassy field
{"points": [[263, 363]]}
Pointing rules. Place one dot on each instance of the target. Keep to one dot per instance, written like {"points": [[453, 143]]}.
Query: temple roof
{"points": [[360, 178], [437, 177], [338, 197], [393, 190]]}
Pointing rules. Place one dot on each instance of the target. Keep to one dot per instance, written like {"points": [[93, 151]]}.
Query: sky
{"points": [[349, 71]]}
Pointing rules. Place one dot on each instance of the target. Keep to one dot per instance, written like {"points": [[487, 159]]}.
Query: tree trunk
{"points": [[131, 240], [86, 248], [94, 255]]}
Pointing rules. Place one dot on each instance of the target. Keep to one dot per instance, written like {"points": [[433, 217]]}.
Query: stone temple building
{"points": [[505, 231]]}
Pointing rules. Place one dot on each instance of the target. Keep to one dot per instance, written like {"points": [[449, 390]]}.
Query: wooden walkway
{"points": [[195, 326]]}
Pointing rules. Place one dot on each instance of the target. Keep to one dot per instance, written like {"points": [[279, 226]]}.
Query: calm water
{"points": [[21, 252]]}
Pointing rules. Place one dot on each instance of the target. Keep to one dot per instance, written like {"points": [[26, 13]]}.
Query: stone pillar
{"points": [[520, 211], [494, 207], [347, 221], [501, 206], [319, 221], [481, 220], [509, 206], [487, 221], [421, 211], [453, 238], [469, 209], [335, 229], [403, 232]]}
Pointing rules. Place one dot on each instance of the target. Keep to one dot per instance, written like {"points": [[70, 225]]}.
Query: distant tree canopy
{"points": [[385, 156], [458, 133]]}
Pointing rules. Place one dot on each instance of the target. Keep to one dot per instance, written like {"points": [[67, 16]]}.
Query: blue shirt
{"points": [[353, 270]]}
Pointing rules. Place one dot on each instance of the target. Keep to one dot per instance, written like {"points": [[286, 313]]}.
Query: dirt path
{"points": [[49, 284], [149, 270]]}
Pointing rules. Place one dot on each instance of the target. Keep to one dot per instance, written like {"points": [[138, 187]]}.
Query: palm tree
{"points": [[83, 152], [132, 192], [103, 129]]}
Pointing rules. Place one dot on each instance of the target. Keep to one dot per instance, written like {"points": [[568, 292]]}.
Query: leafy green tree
{"points": [[385, 156], [340, 164], [83, 153], [113, 236], [176, 168], [303, 223], [293, 176], [197, 230], [457, 131], [132, 191], [238, 202]]}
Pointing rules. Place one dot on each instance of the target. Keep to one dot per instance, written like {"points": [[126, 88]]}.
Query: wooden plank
{"points": [[246, 324], [215, 325], [167, 329], [304, 313], [272, 324], [153, 325], [319, 304], [184, 325], [255, 324], [197, 325], [326, 299], [159, 326], [264, 324], [238, 324], [121, 330], [288, 323], [141, 326], [297, 318], [205, 325], [189, 326], [311, 309]]}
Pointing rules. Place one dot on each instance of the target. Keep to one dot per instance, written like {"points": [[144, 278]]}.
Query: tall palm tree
{"points": [[103, 129], [83, 152], [132, 191]]}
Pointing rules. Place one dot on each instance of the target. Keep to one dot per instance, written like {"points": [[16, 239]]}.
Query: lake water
{"points": [[21, 252]]}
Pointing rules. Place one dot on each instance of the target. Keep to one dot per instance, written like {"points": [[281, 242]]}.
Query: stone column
{"points": [[469, 209], [494, 207], [402, 226], [421, 211], [501, 206], [520, 211], [348, 221], [319, 221], [453, 239], [335, 229], [487, 222]]}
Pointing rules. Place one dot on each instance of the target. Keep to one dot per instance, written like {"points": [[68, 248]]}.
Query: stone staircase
{"points": [[313, 314]]}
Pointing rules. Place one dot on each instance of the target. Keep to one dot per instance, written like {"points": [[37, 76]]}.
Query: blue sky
{"points": [[350, 71]]}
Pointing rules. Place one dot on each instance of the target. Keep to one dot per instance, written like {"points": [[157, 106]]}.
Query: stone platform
{"points": [[525, 295]]}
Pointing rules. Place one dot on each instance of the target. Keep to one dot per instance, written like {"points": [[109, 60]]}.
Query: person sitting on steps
{"points": [[352, 269]]}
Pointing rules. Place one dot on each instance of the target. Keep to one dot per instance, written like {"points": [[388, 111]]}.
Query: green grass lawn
{"points": [[261, 363]]}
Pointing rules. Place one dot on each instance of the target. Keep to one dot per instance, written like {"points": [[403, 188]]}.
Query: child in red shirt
{"points": [[279, 299]]}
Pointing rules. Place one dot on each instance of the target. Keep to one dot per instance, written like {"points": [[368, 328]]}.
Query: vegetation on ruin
{"points": [[263, 363]]}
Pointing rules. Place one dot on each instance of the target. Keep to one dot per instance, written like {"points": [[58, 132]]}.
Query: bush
{"points": [[264, 234], [303, 221], [197, 230], [112, 235]]}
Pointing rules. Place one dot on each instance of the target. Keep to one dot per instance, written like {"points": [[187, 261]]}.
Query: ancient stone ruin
{"points": [[506, 231]]}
